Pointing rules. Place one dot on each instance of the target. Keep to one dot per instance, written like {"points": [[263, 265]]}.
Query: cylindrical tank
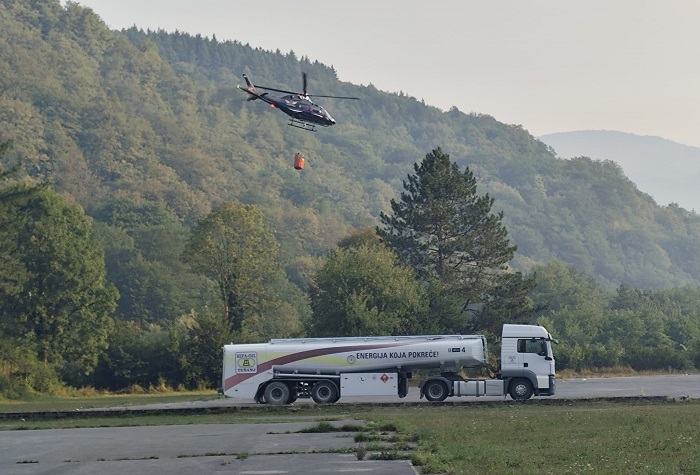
{"points": [[358, 354]]}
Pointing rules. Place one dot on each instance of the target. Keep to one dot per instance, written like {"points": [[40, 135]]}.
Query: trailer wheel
{"points": [[521, 389], [324, 392], [435, 391], [276, 393]]}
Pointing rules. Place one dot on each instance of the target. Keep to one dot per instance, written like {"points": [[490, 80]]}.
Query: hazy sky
{"points": [[548, 65]]}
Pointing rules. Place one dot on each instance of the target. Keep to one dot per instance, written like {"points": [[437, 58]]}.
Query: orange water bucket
{"points": [[298, 162]]}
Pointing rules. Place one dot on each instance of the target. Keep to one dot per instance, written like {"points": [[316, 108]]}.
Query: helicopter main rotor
{"points": [[304, 94]]}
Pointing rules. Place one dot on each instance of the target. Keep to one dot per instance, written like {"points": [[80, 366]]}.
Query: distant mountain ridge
{"points": [[666, 170]]}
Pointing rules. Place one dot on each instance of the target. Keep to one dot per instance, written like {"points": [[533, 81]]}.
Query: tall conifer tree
{"points": [[458, 247]]}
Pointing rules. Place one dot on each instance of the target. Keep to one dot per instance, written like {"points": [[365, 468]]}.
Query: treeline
{"points": [[437, 263], [628, 327]]}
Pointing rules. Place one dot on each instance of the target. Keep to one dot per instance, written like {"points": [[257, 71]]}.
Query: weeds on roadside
{"points": [[325, 426]]}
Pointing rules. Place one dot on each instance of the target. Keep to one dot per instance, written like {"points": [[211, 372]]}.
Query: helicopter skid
{"points": [[302, 125]]}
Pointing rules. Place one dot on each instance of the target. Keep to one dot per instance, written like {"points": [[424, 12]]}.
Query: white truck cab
{"points": [[527, 369], [526, 353]]}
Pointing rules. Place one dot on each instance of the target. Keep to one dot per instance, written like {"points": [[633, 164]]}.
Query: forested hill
{"points": [[154, 119], [667, 170]]}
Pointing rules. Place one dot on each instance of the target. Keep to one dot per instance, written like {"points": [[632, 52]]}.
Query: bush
{"points": [[645, 358], [22, 375], [136, 356], [29, 379]]}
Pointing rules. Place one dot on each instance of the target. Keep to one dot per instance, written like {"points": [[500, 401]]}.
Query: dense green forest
{"points": [[141, 139]]}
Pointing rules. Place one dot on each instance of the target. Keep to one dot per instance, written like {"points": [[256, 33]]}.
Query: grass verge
{"points": [[51, 403], [596, 438]]}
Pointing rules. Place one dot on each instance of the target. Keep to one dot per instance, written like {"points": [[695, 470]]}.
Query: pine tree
{"points": [[458, 248]]}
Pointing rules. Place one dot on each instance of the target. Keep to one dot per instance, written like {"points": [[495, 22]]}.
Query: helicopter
{"points": [[303, 112]]}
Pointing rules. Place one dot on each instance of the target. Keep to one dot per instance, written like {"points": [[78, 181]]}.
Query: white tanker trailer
{"points": [[282, 370]]}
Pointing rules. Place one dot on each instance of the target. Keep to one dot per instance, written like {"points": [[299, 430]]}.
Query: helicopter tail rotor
{"points": [[250, 89]]}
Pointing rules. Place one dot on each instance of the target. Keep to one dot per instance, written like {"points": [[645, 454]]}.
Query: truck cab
{"points": [[527, 361], [526, 369]]}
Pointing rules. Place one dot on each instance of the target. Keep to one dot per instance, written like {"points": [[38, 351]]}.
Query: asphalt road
{"points": [[264, 449], [189, 449], [675, 386]]}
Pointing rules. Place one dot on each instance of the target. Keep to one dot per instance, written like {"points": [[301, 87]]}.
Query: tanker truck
{"points": [[325, 369]]}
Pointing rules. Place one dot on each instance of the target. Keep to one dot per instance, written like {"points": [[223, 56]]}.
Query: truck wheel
{"points": [[435, 391], [521, 389], [276, 393], [324, 392]]}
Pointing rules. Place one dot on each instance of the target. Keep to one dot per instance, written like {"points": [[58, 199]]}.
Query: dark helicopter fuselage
{"points": [[301, 108], [304, 113], [296, 106]]}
